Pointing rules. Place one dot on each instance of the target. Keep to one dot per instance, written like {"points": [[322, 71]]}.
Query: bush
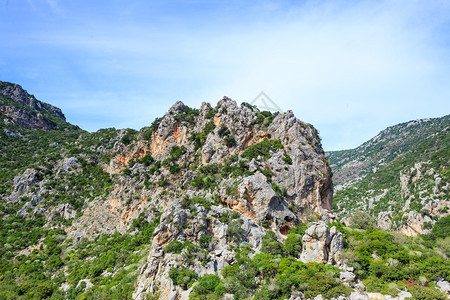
{"points": [[262, 149], [207, 285], [229, 141], [426, 293], [182, 277], [174, 247], [204, 241], [362, 220], [293, 244], [270, 244], [287, 159], [234, 230]]}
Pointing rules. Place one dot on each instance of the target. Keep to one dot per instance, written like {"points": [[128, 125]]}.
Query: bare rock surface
{"points": [[321, 244]]}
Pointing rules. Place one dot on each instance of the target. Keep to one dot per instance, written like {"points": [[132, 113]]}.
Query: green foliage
{"points": [[206, 285], [234, 230], [182, 277], [426, 293], [262, 149], [174, 247], [128, 137], [204, 241], [441, 228], [211, 113], [362, 220], [146, 160], [188, 115], [188, 202], [287, 159], [40, 274], [270, 244], [293, 244], [265, 118]]}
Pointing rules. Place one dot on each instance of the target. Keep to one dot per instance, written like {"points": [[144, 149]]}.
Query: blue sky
{"points": [[350, 68]]}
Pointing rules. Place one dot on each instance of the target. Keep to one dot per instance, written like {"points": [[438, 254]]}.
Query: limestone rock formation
{"points": [[321, 244], [25, 110], [178, 224]]}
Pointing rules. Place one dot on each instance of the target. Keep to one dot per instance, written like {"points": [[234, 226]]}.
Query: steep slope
{"points": [[401, 176], [19, 107], [213, 203], [70, 187]]}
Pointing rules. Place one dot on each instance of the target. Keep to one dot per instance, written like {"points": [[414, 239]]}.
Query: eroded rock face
{"points": [[321, 244], [415, 224], [26, 119], [18, 94], [183, 225], [23, 184], [275, 188]]}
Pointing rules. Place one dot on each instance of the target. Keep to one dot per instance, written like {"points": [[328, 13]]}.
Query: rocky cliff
{"points": [[25, 110], [219, 202]]}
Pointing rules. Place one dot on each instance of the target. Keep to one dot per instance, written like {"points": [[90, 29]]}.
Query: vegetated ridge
{"points": [[400, 177], [213, 203]]}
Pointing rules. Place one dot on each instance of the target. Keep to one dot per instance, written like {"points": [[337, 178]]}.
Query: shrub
{"points": [[204, 241], [234, 230], [362, 220], [207, 285], [182, 277], [426, 293], [229, 141], [146, 160], [287, 159], [174, 247], [262, 149], [270, 244], [293, 244]]}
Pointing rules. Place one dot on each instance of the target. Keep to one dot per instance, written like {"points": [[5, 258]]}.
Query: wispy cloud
{"points": [[350, 68]]}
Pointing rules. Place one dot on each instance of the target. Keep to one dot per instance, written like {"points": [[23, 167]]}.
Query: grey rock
{"points": [[403, 295], [321, 244], [358, 296], [23, 184], [69, 164], [11, 133], [347, 277], [384, 220], [444, 286]]}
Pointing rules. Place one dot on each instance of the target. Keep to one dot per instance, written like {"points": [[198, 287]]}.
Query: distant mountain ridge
{"points": [[23, 109], [392, 172]]}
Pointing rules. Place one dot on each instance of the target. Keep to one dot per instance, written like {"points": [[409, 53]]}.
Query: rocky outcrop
{"points": [[415, 224], [321, 244], [19, 95], [23, 184], [183, 225], [26, 119], [25, 110]]}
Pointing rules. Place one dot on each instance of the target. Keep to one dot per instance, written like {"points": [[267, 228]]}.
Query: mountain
{"points": [[19, 107], [223, 202], [401, 176]]}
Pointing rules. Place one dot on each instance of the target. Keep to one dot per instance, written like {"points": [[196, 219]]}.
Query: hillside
{"points": [[223, 202], [401, 176]]}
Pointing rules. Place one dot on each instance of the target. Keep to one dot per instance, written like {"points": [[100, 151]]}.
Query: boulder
{"points": [[320, 244]]}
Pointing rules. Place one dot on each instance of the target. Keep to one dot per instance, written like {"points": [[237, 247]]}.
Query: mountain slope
{"points": [[20, 108], [401, 176], [212, 203]]}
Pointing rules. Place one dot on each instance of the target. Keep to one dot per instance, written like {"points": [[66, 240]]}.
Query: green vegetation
{"points": [[109, 262], [262, 149], [199, 139], [416, 151]]}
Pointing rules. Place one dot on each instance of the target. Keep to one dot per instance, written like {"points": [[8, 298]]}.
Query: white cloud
{"points": [[350, 69]]}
